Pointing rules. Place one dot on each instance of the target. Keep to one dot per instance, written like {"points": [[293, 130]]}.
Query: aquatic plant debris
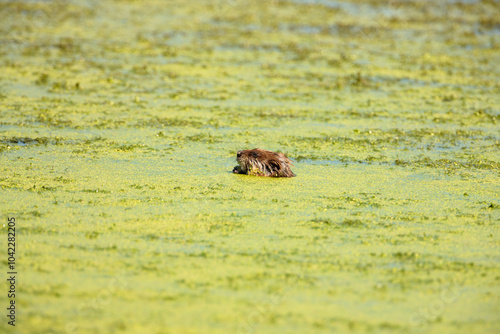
{"points": [[119, 126]]}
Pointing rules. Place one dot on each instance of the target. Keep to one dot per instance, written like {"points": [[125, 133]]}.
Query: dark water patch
{"points": [[48, 118], [302, 29], [373, 200], [493, 206], [32, 141], [326, 223], [312, 161], [96, 191], [354, 80], [281, 113], [25, 141], [204, 137], [162, 122], [395, 138], [346, 7], [129, 147], [449, 164]]}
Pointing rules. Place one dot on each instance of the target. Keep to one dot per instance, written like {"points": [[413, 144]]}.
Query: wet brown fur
{"points": [[263, 163]]}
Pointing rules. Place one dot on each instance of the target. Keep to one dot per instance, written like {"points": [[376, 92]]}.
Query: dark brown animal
{"points": [[263, 163]]}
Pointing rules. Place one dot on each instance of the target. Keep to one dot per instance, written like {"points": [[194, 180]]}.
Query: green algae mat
{"points": [[119, 126]]}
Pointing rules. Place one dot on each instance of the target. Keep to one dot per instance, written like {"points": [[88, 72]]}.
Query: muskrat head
{"points": [[263, 163]]}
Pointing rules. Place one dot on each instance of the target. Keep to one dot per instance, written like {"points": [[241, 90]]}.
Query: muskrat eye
{"points": [[255, 154]]}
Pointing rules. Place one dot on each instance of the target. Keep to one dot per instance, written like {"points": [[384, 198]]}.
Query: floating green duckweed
{"points": [[119, 127]]}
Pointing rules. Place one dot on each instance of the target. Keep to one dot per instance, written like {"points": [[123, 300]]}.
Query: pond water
{"points": [[119, 127]]}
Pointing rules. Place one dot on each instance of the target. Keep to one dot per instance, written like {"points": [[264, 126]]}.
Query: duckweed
{"points": [[119, 127]]}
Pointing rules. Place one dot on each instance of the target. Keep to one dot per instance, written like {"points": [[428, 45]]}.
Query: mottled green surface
{"points": [[119, 127]]}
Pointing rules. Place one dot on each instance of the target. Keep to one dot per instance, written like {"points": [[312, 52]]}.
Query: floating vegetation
{"points": [[119, 127]]}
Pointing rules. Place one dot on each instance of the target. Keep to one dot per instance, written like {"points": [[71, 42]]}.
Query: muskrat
{"points": [[263, 163]]}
